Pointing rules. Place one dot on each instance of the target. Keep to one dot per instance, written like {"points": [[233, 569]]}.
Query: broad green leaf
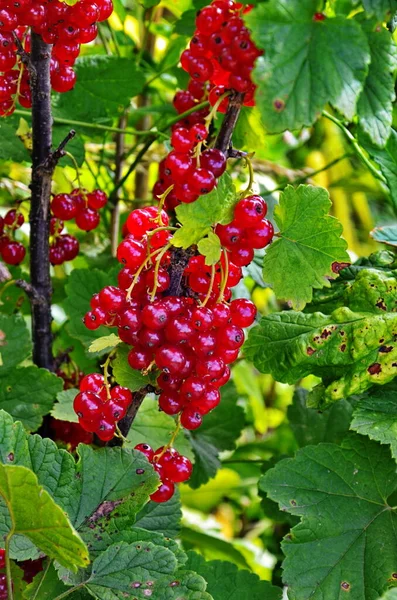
{"points": [[28, 393], [105, 84], [375, 415], [226, 582], [375, 105], [210, 247], [161, 518], [156, 428], [15, 343], [306, 64], [387, 160], [143, 567], [46, 585], [249, 133], [63, 408], [11, 148], [81, 286], [310, 241], [34, 514], [107, 475], [198, 217], [380, 8], [390, 595], [124, 374], [385, 235], [105, 343], [341, 493], [220, 430], [312, 426], [350, 351]]}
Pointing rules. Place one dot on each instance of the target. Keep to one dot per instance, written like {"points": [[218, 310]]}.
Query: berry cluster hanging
{"points": [[64, 26]]}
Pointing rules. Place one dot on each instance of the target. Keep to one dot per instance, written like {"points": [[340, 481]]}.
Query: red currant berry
{"points": [[146, 450], [250, 211], [243, 312], [164, 493], [191, 418]]}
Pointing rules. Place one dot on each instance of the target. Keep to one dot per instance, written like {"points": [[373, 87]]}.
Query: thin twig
{"points": [[126, 423]]}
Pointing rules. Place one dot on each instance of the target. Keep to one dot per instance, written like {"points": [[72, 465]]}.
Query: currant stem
{"points": [[105, 367], [139, 271], [156, 270], [162, 199], [211, 286], [225, 276], [248, 189], [172, 440], [8, 567]]}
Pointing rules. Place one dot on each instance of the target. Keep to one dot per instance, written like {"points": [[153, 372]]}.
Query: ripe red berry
{"points": [[88, 406], [106, 429], [191, 418], [261, 235], [146, 450], [87, 219], [250, 211], [171, 402], [164, 493], [243, 312], [170, 359], [64, 207], [178, 469], [13, 253], [92, 383], [131, 253], [112, 299]]}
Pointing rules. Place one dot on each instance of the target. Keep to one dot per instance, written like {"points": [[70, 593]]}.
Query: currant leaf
{"points": [[210, 247], [63, 408], [198, 217], [341, 494], [310, 241], [350, 351], [226, 582], [375, 415], [387, 160], [35, 515], [105, 343], [299, 48], [126, 376], [15, 344], [375, 105]]}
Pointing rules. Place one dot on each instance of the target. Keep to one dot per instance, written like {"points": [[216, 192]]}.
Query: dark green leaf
{"points": [[375, 105], [124, 374], [105, 84], [11, 147], [220, 430], [342, 494], [387, 160], [307, 63], [380, 8], [376, 416], [15, 343], [385, 235], [312, 426], [226, 582], [28, 393], [161, 518]]}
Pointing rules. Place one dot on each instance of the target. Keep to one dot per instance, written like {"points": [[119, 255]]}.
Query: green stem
{"points": [[377, 174], [114, 40], [309, 175], [61, 121], [8, 568], [70, 591]]}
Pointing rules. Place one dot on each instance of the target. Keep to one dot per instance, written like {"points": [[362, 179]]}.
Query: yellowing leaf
{"points": [[35, 515], [107, 342], [210, 247]]}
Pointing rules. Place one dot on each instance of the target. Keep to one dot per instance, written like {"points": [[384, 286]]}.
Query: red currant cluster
{"points": [[219, 60], [64, 26], [99, 406], [222, 52], [171, 466], [190, 339], [71, 434], [81, 207], [12, 252]]}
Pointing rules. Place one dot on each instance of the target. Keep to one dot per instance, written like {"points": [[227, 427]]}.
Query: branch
{"points": [[126, 423], [24, 56], [31, 292], [57, 154], [179, 262], [224, 139]]}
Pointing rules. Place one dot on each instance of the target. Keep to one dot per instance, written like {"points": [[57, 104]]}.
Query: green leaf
{"points": [[211, 248], [63, 408], [342, 494], [143, 567], [100, 476], [375, 105], [81, 286], [198, 217], [380, 8], [34, 514], [105, 85], [307, 63], [350, 351], [220, 430], [15, 343], [376, 416], [28, 393], [311, 426], [387, 160], [124, 374], [226, 582], [308, 245], [45, 585], [11, 148], [156, 428], [390, 595], [385, 235], [249, 133], [161, 518], [105, 343]]}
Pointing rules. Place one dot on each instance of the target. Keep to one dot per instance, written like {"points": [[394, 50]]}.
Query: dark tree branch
{"points": [[125, 424], [42, 170], [60, 152], [23, 55], [224, 139], [179, 262], [31, 292]]}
